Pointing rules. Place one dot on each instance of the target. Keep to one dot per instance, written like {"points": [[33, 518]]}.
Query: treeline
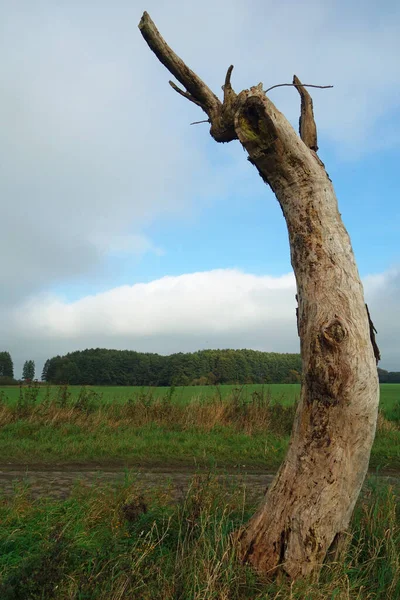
{"points": [[126, 367], [6, 365], [388, 376], [7, 370]]}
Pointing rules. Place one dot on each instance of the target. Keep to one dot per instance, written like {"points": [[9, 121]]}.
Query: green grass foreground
{"points": [[108, 543], [234, 426], [282, 392]]}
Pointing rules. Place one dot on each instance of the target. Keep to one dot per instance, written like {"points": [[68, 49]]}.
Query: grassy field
{"points": [[228, 426], [124, 541], [109, 543], [285, 393]]}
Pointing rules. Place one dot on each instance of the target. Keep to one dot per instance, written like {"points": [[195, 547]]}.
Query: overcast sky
{"points": [[123, 226]]}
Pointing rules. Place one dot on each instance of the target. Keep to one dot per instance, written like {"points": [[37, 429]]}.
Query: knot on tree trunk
{"points": [[335, 332]]}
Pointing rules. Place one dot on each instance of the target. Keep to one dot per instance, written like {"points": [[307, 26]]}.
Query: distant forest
{"points": [[388, 376], [205, 367], [126, 367]]}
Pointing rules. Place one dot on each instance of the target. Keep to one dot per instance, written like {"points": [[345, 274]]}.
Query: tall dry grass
{"points": [[117, 543], [253, 415]]}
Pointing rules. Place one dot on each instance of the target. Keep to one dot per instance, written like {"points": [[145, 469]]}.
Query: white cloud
{"points": [[209, 303], [217, 309], [382, 293], [121, 244]]}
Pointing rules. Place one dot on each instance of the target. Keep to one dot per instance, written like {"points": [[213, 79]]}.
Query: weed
{"points": [[87, 401], [28, 396], [63, 396]]}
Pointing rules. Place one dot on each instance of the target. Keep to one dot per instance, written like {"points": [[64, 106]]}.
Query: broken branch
{"points": [[185, 94], [372, 332], [227, 85], [198, 91], [307, 126]]}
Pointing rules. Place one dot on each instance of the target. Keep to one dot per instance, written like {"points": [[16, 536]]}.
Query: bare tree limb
{"points": [[227, 87], [229, 94], [307, 126], [185, 94], [200, 93], [321, 87], [221, 115], [372, 332]]}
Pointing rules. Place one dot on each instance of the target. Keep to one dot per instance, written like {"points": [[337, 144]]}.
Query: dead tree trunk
{"points": [[311, 500]]}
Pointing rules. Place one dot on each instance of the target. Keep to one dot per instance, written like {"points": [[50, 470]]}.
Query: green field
{"points": [[285, 393], [225, 426], [281, 392]]}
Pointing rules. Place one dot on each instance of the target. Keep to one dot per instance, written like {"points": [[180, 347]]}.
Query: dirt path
{"points": [[58, 481]]}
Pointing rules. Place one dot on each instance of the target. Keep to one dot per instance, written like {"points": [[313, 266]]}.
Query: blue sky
{"points": [[105, 186], [251, 235]]}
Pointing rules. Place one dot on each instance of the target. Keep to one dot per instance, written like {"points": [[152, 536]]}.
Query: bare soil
{"points": [[57, 481]]}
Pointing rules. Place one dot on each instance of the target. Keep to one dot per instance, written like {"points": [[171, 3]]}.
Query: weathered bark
{"points": [[309, 504]]}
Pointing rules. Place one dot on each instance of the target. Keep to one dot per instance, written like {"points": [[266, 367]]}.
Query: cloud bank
{"points": [[214, 309]]}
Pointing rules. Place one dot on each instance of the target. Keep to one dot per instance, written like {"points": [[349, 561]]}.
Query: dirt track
{"points": [[57, 481]]}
